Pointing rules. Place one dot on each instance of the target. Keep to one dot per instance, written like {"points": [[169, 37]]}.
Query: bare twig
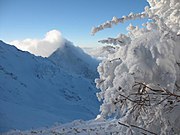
{"points": [[140, 128], [142, 98], [115, 59], [162, 90]]}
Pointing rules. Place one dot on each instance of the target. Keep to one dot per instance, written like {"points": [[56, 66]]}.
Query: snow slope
{"points": [[36, 92]]}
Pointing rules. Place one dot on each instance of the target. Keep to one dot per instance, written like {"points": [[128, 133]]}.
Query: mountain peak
{"points": [[74, 59]]}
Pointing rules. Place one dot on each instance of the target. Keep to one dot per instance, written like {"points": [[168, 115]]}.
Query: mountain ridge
{"points": [[35, 92]]}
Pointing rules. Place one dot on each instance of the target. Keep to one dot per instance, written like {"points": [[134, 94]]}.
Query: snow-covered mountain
{"points": [[38, 91], [75, 60]]}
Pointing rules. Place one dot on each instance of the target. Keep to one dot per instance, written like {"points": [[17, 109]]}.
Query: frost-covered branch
{"points": [[116, 20], [121, 39]]}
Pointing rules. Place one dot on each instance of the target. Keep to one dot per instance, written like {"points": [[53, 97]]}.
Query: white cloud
{"points": [[41, 47]]}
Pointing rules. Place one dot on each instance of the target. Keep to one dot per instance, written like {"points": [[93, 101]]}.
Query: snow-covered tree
{"points": [[140, 82]]}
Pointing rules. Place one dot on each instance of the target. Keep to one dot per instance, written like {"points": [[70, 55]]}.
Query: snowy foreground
{"points": [[92, 127], [78, 127]]}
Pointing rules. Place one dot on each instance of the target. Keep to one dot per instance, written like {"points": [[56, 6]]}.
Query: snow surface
{"points": [[36, 92], [77, 127], [80, 127]]}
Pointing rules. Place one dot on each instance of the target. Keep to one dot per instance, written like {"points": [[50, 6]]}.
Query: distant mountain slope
{"points": [[74, 59], [36, 92], [101, 52]]}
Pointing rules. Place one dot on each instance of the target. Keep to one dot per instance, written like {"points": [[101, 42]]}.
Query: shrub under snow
{"points": [[140, 82]]}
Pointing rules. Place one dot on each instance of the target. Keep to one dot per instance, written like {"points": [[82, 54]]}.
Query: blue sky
{"points": [[21, 19]]}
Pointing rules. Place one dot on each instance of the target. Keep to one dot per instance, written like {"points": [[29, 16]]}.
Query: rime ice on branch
{"points": [[116, 20]]}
